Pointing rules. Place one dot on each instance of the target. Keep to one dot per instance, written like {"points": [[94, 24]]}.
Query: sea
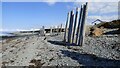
{"points": [[3, 33], [6, 34]]}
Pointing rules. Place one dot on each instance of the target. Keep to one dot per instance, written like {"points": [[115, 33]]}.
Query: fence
{"points": [[74, 29]]}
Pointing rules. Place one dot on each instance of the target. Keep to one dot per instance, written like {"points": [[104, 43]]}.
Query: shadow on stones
{"points": [[90, 60], [62, 43]]}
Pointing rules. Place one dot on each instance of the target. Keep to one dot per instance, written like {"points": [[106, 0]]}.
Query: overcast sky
{"points": [[27, 15]]}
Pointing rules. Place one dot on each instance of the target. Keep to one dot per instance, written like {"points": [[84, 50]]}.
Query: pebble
{"points": [[101, 47]]}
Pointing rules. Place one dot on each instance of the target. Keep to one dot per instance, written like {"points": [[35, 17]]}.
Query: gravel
{"points": [[96, 51]]}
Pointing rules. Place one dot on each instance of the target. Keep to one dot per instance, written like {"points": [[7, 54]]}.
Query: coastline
{"points": [[21, 50]]}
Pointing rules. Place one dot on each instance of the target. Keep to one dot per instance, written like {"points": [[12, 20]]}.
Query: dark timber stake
{"points": [[61, 28], [66, 27], [70, 26], [82, 31], [75, 22], [57, 30], [51, 31], [79, 25], [43, 31], [75, 26]]}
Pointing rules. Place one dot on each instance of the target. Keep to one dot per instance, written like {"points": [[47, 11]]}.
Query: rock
{"points": [[37, 62], [51, 59], [97, 32], [4, 63], [95, 48], [11, 50], [45, 38], [11, 61], [51, 50], [76, 49]]}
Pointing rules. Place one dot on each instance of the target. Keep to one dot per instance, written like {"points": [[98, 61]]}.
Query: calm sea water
{"points": [[6, 34]]}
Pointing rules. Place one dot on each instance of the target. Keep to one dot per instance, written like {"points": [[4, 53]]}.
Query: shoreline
{"points": [[21, 50]]}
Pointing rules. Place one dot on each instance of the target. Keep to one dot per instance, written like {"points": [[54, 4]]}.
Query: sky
{"points": [[28, 15]]}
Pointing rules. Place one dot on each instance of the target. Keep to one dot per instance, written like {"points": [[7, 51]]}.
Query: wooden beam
{"points": [[66, 27], [79, 25], [61, 28], [82, 29], [58, 30], [74, 27], [50, 30], [43, 30], [70, 27]]}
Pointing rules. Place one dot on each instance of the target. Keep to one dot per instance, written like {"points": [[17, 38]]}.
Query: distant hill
{"points": [[111, 24]]}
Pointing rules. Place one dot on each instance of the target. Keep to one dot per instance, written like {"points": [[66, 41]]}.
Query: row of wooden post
{"points": [[74, 29], [59, 29], [53, 30]]}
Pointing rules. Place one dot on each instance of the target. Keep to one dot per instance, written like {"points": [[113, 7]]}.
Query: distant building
{"points": [[97, 21]]}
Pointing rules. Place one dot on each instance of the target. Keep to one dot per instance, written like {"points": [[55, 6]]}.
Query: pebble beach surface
{"points": [[49, 51]]}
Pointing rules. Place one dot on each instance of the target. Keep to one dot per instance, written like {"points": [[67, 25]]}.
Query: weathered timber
{"points": [[42, 31], [66, 27], [82, 30], [74, 28], [50, 30], [61, 28], [70, 27], [79, 25]]}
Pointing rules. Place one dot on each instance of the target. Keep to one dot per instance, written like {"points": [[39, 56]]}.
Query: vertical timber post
{"points": [[32, 31], [75, 23], [51, 31], [42, 31], [60, 28], [54, 30], [66, 27], [43, 27], [57, 30], [75, 26], [82, 30], [79, 25], [70, 27]]}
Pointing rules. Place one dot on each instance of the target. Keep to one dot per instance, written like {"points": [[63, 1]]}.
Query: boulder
{"points": [[97, 32]]}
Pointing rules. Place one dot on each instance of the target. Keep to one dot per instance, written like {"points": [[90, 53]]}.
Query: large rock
{"points": [[97, 32]]}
